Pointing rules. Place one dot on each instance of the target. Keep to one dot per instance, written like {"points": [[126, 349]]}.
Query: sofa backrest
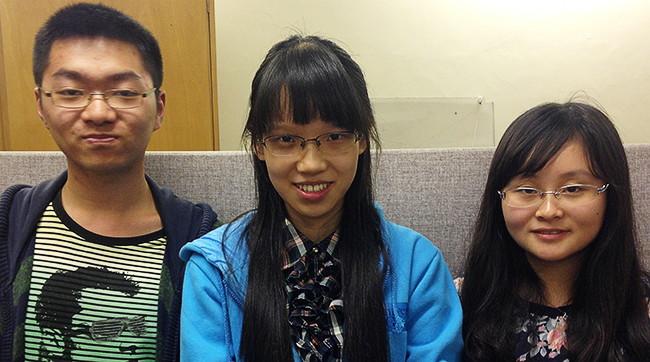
{"points": [[433, 191]]}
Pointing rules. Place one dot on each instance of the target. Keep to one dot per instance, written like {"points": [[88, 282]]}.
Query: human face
{"points": [[99, 138], [552, 234], [311, 183]]}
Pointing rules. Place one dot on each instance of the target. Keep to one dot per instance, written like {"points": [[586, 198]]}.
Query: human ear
{"points": [[259, 151], [39, 105], [362, 145], [161, 102]]}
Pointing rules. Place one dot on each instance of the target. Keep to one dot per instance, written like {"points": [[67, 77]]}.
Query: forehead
{"points": [[95, 59], [569, 162], [313, 128]]}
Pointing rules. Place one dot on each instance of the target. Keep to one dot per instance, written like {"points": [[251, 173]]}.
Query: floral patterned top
{"points": [[542, 336], [547, 339]]}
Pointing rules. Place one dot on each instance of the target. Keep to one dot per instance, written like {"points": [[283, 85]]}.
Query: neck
{"points": [[558, 279], [316, 230], [117, 204]]}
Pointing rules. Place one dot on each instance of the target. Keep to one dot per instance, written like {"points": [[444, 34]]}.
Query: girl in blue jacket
{"points": [[315, 273]]}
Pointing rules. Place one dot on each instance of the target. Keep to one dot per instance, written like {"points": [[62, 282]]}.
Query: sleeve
{"points": [[435, 315], [204, 314]]}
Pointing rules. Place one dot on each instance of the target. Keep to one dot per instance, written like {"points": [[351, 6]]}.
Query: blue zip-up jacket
{"points": [[21, 208], [423, 310]]}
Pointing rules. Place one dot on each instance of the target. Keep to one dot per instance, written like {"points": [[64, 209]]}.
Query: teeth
{"points": [[313, 188], [550, 232]]}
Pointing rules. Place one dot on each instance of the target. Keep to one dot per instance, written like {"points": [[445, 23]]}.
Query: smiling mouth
{"points": [[313, 188]]}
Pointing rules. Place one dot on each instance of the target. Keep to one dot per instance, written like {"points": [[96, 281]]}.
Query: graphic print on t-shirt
{"points": [[92, 298]]}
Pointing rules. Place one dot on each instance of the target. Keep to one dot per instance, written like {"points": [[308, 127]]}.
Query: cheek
{"points": [[278, 172], [347, 167], [591, 219], [516, 221], [59, 122]]}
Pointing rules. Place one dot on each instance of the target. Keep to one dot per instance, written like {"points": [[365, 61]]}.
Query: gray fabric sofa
{"points": [[434, 191]]}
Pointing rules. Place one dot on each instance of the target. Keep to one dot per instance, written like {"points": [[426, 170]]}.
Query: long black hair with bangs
{"points": [[308, 78], [609, 312]]}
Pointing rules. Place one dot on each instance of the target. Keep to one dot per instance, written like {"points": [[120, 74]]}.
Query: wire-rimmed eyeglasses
{"points": [[569, 195], [74, 98], [331, 143]]}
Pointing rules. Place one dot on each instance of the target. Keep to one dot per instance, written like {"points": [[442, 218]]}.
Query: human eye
{"points": [[574, 190], [69, 92], [284, 139], [282, 144], [124, 93], [338, 137], [526, 191]]}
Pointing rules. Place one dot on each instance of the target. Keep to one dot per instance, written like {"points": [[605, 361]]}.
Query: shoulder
{"points": [[412, 255], [219, 244], [24, 198], [404, 242], [166, 196], [179, 213], [11, 193]]}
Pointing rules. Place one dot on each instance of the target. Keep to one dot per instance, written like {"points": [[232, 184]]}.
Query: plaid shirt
{"points": [[312, 274]]}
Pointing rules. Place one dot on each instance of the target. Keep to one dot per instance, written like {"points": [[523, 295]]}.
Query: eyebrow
{"points": [[579, 173], [569, 174], [66, 73], [280, 131], [74, 75]]}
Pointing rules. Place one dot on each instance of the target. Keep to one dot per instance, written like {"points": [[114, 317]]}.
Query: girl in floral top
{"points": [[553, 273]]}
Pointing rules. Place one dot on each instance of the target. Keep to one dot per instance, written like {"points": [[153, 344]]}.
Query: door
{"points": [[183, 29]]}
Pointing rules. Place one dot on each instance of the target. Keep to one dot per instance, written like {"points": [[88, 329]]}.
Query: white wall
{"points": [[514, 53]]}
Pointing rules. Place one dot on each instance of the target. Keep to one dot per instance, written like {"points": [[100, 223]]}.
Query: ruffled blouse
{"points": [[312, 273]]}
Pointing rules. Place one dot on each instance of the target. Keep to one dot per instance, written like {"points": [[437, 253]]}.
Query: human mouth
{"points": [[313, 188], [100, 138], [313, 191], [550, 234]]}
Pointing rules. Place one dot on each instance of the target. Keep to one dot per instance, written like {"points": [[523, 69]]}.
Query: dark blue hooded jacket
{"points": [[21, 208]]}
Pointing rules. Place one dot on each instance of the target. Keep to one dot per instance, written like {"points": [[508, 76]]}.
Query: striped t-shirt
{"points": [[92, 298]]}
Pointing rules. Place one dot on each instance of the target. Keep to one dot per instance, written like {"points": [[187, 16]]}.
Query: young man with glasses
{"points": [[98, 74]]}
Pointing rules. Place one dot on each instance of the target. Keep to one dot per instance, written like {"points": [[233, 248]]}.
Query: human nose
{"points": [[311, 159], [315, 140], [549, 207], [98, 112]]}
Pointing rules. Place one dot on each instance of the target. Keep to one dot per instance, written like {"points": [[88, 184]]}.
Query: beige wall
{"points": [[514, 53]]}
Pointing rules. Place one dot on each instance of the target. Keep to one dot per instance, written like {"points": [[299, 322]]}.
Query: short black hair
{"points": [[96, 21]]}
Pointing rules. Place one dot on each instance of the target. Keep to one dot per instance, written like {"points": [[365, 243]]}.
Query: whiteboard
{"points": [[434, 122]]}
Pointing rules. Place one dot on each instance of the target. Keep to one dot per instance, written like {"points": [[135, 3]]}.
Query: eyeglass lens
{"points": [[80, 98], [567, 195], [329, 143]]}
